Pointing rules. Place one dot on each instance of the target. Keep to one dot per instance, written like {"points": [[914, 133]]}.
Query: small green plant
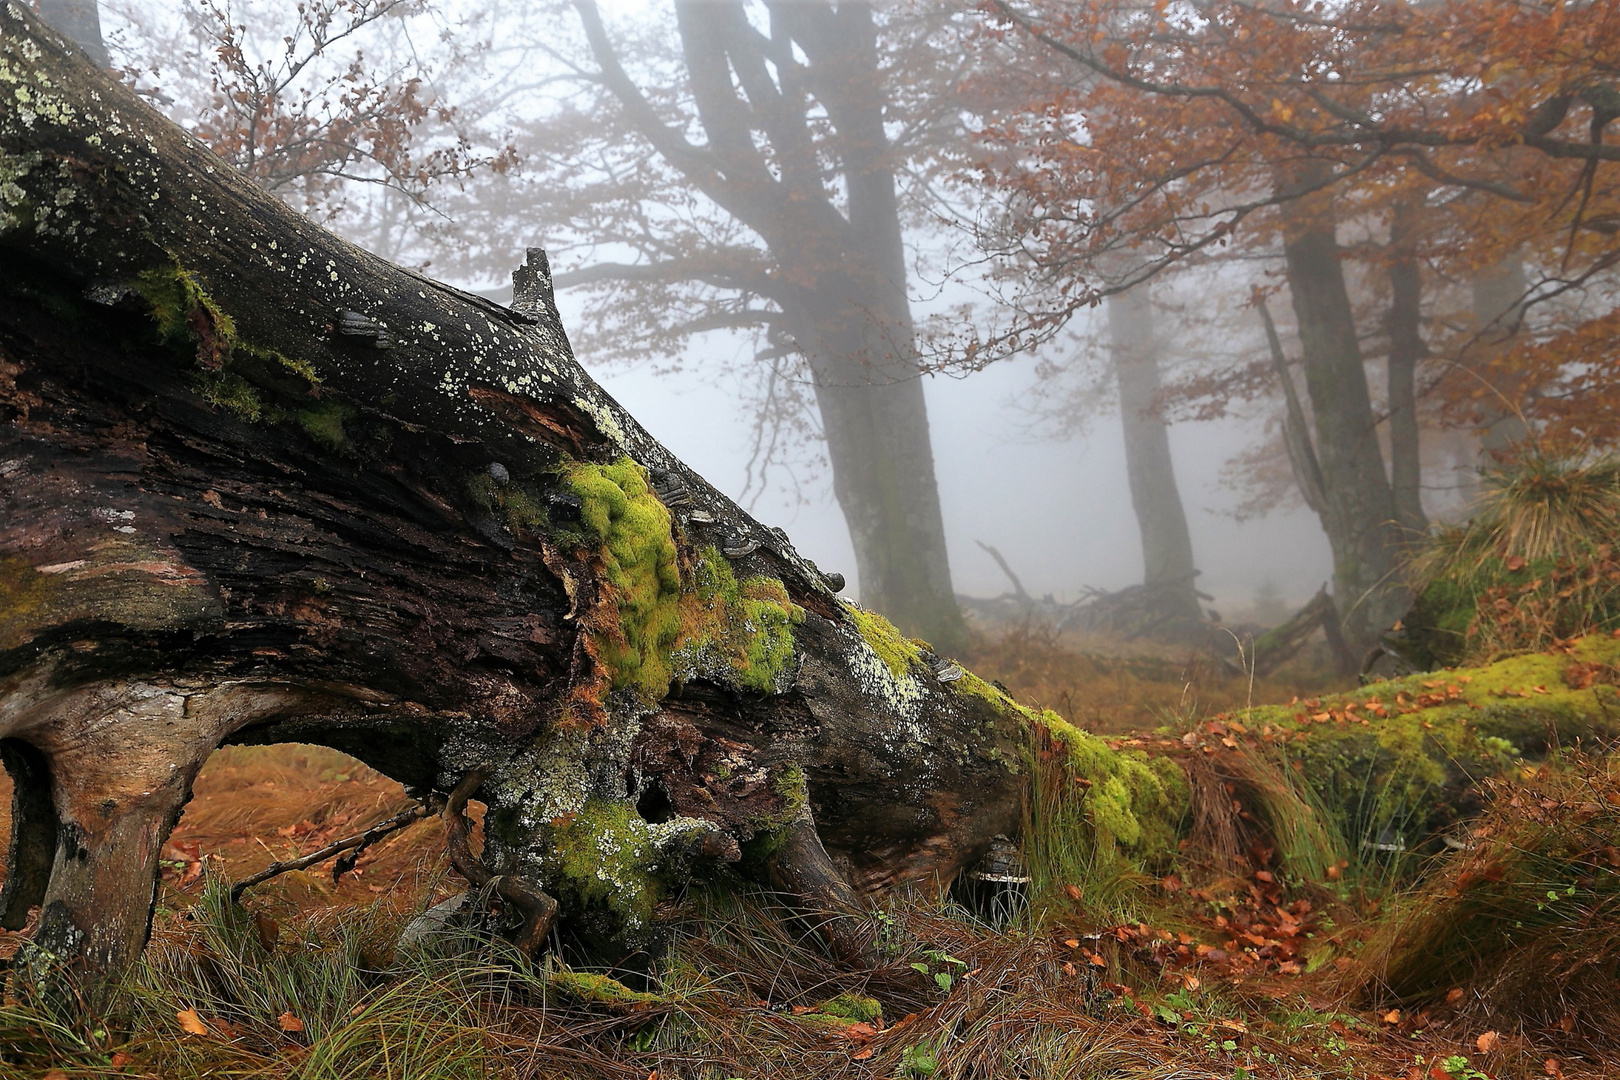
{"points": [[1460, 1068], [943, 967], [919, 1061]]}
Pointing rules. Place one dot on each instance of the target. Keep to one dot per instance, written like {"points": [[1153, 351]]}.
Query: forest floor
{"points": [[1235, 978]]}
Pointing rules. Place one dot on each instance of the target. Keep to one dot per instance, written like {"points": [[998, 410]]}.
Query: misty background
{"points": [[1056, 504]]}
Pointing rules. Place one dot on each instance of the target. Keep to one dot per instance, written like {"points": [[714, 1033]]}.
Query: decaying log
{"points": [[257, 485]]}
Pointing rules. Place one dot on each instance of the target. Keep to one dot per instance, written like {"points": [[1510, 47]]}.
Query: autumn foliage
{"points": [[1461, 135]]}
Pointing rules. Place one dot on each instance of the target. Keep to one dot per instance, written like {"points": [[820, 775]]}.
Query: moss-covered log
{"points": [[259, 485]]}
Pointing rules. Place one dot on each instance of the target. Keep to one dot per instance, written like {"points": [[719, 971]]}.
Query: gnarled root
{"points": [[802, 868], [539, 911]]}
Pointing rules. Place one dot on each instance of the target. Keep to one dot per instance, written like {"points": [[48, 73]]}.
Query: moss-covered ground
{"points": [[1137, 950]]}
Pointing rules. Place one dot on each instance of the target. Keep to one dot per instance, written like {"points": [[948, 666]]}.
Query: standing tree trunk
{"points": [[1406, 349], [1498, 299], [259, 485], [80, 20], [1359, 516], [1167, 555], [839, 275]]}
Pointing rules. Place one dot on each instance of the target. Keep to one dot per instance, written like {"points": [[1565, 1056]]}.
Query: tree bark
{"points": [[258, 485], [1167, 555], [1498, 298], [841, 277], [1359, 517], [1406, 349], [80, 20]]}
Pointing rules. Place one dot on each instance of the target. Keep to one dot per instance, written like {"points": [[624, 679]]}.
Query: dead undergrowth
{"points": [[1267, 948]]}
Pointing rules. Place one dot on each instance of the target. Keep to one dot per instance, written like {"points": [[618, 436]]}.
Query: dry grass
{"points": [[1087, 681], [1220, 969], [1521, 930]]}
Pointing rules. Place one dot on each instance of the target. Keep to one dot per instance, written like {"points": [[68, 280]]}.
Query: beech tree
{"points": [[1467, 132], [257, 485], [740, 168]]}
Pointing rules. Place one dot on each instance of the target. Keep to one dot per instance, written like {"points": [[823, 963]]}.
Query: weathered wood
{"points": [[259, 485]]}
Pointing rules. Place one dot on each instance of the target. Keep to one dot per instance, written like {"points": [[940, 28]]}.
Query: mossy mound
{"points": [[620, 510], [1533, 566], [1393, 762], [1526, 916], [735, 633], [593, 989], [1130, 798], [855, 1008]]}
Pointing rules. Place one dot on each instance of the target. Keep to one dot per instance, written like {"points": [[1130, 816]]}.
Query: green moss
{"points": [[23, 594], [737, 633], [523, 512], [230, 372], [597, 989], [1131, 799], [1391, 757], [186, 316], [638, 554], [897, 651], [604, 853], [324, 423], [852, 1007]]}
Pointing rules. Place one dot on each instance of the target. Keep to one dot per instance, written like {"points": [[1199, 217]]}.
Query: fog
{"points": [[1059, 511]]}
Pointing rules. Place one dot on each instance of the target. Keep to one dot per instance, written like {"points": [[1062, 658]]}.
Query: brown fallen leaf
{"points": [[1391, 1017], [1072, 943], [1553, 1067], [1074, 892], [1454, 995], [862, 1055], [1487, 1042], [288, 1022], [120, 1059], [190, 1022]]}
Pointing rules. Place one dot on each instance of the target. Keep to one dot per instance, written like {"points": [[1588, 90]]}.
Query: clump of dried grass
{"points": [[1521, 929], [1534, 565]]}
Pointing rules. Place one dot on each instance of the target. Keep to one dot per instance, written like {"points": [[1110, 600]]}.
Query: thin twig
{"points": [[358, 842]]}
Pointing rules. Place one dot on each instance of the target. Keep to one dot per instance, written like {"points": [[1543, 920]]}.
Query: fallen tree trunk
{"points": [[258, 485]]}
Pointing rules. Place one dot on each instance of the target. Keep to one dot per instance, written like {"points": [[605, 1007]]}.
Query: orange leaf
{"points": [[1488, 1042], [862, 1055], [120, 1059], [190, 1022], [1391, 1017], [1073, 892], [1515, 563], [1072, 943], [1454, 995], [288, 1022]]}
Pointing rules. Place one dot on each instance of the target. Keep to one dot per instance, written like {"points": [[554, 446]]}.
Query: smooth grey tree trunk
{"points": [[1498, 296], [1406, 349], [840, 277], [1359, 517], [1167, 553], [79, 20]]}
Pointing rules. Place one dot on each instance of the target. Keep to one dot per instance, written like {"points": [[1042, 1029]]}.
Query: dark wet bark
{"points": [[1406, 349], [1359, 506], [1167, 555], [257, 485]]}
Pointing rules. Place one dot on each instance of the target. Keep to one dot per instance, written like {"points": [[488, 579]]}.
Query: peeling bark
{"points": [[257, 485]]}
